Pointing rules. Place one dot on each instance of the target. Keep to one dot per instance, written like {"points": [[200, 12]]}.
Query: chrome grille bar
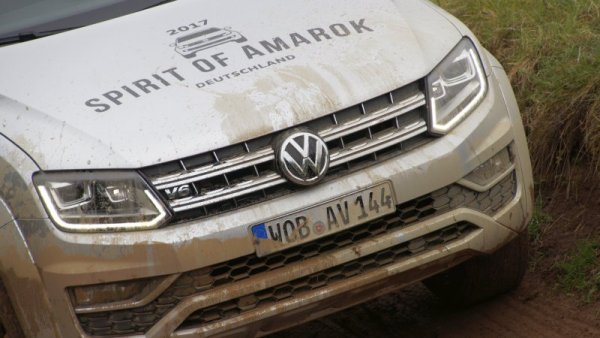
{"points": [[202, 173], [372, 119], [233, 191], [353, 152]]}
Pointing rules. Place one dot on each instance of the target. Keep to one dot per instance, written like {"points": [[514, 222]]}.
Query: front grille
{"points": [[246, 173], [324, 278], [139, 320]]}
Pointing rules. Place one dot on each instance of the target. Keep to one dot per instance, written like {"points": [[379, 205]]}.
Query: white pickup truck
{"points": [[303, 157]]}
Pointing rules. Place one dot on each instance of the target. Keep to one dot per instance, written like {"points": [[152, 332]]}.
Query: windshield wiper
{"points": [[26, 36]]}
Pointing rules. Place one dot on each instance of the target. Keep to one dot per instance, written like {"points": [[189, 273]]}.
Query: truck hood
{"points": [[191, 76]]}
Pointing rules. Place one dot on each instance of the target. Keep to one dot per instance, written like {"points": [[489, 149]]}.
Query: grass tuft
{"points": [[580, 271], [538, 220], [551, 52], [537, 227]]}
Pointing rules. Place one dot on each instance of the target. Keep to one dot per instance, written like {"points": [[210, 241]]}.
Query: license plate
{"points": [[323, 219]]}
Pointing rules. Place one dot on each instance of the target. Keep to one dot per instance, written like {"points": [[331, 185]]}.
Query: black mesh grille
{"points": [[323, 278]]}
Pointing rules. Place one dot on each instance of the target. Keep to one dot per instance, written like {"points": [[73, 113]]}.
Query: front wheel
{"points": [[483, 277]]}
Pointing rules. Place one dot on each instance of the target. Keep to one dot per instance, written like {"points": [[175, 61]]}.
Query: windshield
{"points": [[23, 17]]}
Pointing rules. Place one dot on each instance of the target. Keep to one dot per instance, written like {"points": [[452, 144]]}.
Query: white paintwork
{"points": [[45, 83]]}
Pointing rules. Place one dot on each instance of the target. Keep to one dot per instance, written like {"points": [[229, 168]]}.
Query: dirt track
{"points": [[415, 312]]}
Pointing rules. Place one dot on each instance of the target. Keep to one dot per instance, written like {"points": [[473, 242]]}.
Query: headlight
{"points": [[100, 201], [455, 87]]}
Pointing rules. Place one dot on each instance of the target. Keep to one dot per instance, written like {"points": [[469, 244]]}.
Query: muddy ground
{"points": [[538, 308], [530, 311]]}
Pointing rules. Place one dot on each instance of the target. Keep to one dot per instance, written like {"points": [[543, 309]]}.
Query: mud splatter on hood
{"points": [[191, 76]]}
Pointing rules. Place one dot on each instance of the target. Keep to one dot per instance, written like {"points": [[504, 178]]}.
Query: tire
{"points": [[483, 277], [9, 325]]}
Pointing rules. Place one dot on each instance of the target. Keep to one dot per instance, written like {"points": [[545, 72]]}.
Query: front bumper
{"points": [[62, 260]]}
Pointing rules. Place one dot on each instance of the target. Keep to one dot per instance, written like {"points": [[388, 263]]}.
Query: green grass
{"points": [[535, 229], [551, 52], [538, 220], [580, 270]]}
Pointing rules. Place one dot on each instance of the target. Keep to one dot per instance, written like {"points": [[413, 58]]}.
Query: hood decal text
{"points": [[191, 45]]}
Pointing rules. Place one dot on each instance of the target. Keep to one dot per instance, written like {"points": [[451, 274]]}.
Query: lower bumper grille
{"points": [[324, 278], [139, 320]]}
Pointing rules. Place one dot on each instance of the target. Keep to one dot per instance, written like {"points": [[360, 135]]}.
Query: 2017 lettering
{"points": [[186, 28]]}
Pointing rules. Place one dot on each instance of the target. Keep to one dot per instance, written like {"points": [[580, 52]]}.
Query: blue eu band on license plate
{"points": [[324, 219]]}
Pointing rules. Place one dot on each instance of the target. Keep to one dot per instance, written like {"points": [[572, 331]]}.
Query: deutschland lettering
{"points": [[244, 71]]}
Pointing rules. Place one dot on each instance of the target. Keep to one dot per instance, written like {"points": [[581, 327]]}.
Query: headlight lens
{"points": [[456, 86], [100, 201]]}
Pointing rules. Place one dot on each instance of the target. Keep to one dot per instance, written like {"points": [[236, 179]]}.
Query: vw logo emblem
{"points": [[303, 157]]}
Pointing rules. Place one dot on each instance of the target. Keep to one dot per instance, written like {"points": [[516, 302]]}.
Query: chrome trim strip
{"points": [[148, 294], [257, 157], [384, 141], [481, 188], [374, 118], [233, 191]]}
